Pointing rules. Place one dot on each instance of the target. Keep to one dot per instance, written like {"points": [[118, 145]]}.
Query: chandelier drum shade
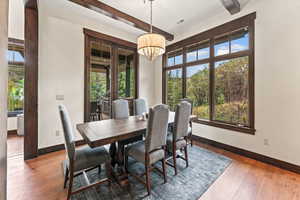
{"points": [[151, 44]]}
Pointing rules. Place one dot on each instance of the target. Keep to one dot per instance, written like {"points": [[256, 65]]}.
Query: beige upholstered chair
{"points": [[81, 159], [153, 149], [178, 140], [140, 106]]}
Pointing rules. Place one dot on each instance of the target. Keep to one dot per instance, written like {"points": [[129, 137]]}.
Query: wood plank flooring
{"points": [[15, 145], [244, 179]]}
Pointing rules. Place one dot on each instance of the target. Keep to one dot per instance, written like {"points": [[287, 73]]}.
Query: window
{"points": [[231, 91], [216, 74], [174, 87], [175, 58], [197, 89], [16, 75]]}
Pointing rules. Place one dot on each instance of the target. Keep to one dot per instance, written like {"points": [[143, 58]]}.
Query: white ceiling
{"points": [[166, 13]]}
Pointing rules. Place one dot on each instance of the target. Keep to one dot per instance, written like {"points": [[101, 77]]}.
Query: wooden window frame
{"points": [[243, 22], [115, 44]]}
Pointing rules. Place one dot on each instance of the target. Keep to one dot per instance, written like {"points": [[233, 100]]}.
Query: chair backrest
{"points": [[140, 106], [190, 101], [157, 129], [120, 109], [182, 119], [68, 131]]}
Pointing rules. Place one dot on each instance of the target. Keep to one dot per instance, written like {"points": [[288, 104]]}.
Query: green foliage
{"points": [[174, 91], [98, 86], [15, 88], [230, 89]]}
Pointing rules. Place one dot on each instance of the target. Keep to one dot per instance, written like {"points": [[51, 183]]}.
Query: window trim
{"points": [[246, 21]]}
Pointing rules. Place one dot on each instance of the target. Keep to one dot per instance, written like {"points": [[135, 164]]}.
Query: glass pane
{"points": [[203, 53], [174, 87], [191, 56], [198, 89], [16, 75], [14, 56], [231, 91], [239, 41], [171, 61], [100, 73], [178, 60], [222, 46], [126, 73]]}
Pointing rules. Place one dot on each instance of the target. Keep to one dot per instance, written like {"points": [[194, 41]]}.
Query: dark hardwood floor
{"points": [[244, 179]]}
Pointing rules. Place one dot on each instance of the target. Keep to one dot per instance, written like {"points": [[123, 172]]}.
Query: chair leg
{"points": [[71, 175], [66, 177], [108, 170], [126, 163], [163, 163], [174, 159], [148, 184], [186, 156]]}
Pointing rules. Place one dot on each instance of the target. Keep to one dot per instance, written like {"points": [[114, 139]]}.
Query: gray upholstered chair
{"points": [[80, 160], [190, 129], [153, 148], [178, 140], [140, 106], [120, 109]]}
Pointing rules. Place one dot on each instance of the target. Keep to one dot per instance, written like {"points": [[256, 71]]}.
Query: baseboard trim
{"points": [[58, 147], [12, 132], [272, 161]]}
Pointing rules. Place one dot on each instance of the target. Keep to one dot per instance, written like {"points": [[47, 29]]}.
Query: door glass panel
{"points": [[126, 73], [100, 73]]}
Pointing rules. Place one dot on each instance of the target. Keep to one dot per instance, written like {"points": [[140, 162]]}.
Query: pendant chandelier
{"points": [[151, 44]]}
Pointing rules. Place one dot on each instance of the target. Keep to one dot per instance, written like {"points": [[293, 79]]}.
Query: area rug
{"points": [[190, 183]]}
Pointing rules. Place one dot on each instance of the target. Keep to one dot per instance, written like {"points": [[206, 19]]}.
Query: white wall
{"points": [[12, 123], [61, 70], [277, 76], [16, 19], [3, 97]]}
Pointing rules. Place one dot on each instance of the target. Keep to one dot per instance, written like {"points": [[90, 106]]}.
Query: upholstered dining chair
{"points": [[190, 129], [153, 148], [140, 106], [80, 160], [120, 109], [178, 140]]}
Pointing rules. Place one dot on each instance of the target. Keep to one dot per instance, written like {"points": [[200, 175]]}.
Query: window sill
{"points": [[231, 127]]}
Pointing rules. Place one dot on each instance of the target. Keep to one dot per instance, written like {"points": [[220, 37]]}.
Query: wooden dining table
{"points": [[112, 131]]}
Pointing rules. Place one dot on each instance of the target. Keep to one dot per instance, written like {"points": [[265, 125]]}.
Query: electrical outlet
{"points": [[57, 133], [266, 142], [60, 97]]}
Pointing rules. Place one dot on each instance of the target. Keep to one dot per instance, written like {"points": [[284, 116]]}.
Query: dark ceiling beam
{"points": [[113, 13], [233, 6]]}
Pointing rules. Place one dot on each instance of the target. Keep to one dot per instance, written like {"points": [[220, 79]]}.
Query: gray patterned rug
{"points": [[190, 183]]}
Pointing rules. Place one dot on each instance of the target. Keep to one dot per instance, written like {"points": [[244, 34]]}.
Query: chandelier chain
{"points": [[151, 16]]}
